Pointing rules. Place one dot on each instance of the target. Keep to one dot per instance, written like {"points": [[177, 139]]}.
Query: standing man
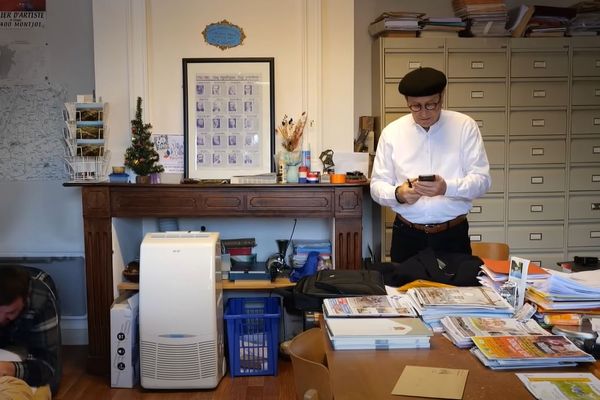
{"points": [[29, 324], [445, 148]]}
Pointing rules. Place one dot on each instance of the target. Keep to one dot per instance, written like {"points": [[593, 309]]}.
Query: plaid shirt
{"points": [[37, 332]]}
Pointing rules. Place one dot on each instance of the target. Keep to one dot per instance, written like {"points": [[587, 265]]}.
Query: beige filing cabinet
{"points": [[537, 104]]}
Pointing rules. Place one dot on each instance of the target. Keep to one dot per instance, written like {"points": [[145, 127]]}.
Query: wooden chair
{"points": [[311, 375], [494, 251]]}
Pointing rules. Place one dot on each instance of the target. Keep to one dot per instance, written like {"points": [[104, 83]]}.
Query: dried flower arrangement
{"points": [[291, 132]]}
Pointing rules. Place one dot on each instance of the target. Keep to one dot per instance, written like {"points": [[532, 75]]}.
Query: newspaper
{"points": [[468, 297], [561, 386], [370, 306]]}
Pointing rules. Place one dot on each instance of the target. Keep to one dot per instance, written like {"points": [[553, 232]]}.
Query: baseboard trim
{"points": [[74, 330]]}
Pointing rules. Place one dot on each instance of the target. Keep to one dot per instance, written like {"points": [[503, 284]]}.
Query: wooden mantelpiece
{"points": [[342, 204]]}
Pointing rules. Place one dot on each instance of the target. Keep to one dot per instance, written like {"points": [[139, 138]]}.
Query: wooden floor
{"points": [[76, 384]]}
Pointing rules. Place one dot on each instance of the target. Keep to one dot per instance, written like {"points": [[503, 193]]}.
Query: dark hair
{"points": [[14, 283]]}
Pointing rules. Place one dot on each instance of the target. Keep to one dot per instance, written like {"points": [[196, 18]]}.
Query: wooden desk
{"points": [[372, 374], [342, 204]]}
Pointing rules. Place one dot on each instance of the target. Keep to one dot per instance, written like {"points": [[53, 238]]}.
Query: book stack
{"points": [[434, 303], [301, 248], [243, 260], [539, 20], [483, 17], [461, 330], [396, 24], [449, 26], [541, 351]]}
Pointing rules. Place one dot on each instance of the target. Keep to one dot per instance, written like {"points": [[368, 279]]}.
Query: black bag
{"points": [[451, 268], [309, 292]]}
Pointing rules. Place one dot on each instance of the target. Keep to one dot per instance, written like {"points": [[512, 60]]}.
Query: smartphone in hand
{"points": [[427, 178]]}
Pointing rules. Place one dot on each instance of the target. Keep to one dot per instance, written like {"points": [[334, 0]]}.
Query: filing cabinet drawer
{"points": [[484, 94], [486, 234], [390, 216], [393, 98], [536, 236], [537, 151], [536, 180], [584, 235], [586, 93], [536, 208], [585, 121], [586, 63], [584, 207], [495, 151], [477, 65], [388, 241], [539, 64], [399, 64], [489, 122], [538, 123], [497, 175], [585, 150], [533, 94], [543, 259], [584, 178], [487, 210]]}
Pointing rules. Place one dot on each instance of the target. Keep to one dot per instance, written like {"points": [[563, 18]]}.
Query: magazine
{"points": [[468, 297], [369, 306], [460, 329], [530, 347], [559, 386]]}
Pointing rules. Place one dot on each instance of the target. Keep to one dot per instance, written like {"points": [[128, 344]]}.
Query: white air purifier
{"points": [[181, 311]]}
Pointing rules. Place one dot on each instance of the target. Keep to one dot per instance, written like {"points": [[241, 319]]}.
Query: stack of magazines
{"points": [[374, 322], [512, 352], [434, 303], [460, 330]]}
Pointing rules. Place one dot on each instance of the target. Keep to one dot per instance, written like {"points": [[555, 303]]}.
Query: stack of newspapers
{"points": [[374, 322], [540, 351], [434, 303], [460, 330]]}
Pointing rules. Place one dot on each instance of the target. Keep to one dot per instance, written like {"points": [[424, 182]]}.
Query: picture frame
{"points": [[228, 117]]}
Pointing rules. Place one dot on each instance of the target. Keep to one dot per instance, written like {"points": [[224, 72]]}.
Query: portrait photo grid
{"points": [[228, 122]]}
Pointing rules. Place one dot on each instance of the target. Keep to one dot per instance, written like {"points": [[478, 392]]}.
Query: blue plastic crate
{"points": [[253, 335]]}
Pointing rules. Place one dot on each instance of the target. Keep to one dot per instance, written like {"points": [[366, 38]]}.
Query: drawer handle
{"points": [[537, 180], [595, 178], [539, 93], [537, 151], [595, 206], [479, 123], [596, 121], [478, 94], [535, 208], [539, 64], [594, 234], [414, 64], [538, 122], [595, 149], [597, 64], [475, 238], [477, 65], [535, 236], [476, 210], [597, 92]]}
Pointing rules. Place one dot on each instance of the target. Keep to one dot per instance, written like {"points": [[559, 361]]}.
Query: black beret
{"points": [[422, 82]]}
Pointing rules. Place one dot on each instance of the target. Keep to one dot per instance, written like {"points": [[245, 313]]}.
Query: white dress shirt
{"points": [[452, 148]]}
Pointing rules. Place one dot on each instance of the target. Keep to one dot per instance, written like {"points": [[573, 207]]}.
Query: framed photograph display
{"points": [[229, 122]]}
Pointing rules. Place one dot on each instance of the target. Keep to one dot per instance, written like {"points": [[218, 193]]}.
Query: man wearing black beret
{"points": [[429, 166]]}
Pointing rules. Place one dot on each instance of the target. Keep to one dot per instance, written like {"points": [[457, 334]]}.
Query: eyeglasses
{"points": [[428, 106]]}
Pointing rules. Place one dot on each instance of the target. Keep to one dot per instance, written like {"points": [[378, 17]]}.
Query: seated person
{"points": [[29, 323]]}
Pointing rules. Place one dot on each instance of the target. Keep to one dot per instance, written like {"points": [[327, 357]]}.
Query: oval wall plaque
{"points": [[223, 34]]}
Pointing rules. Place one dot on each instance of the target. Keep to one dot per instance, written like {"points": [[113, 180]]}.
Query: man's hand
{"points": [[430, 189], [7, 368], [406, 193]]}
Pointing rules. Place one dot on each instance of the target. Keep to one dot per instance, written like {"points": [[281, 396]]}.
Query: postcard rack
{"points": [[84, 133]]}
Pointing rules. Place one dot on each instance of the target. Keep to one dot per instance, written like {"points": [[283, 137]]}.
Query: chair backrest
{"points": [[494, 251], [311, 375]]}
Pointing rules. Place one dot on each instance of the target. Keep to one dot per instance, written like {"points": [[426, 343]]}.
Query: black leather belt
{"points": [[433, 228]]}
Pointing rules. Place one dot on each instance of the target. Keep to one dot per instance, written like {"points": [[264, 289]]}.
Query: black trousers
{"points": [[407, 241]]}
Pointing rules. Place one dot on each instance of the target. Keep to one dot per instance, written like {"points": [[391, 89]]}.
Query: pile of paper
{"points": [[512, 352], [460, 330], [562, 291], [377, 333], [398, 305], [495, 273], [473, 301]]}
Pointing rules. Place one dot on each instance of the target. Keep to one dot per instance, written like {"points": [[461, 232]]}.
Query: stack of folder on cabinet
{"points": [[512, 352], [374, 322], [434, 303]]}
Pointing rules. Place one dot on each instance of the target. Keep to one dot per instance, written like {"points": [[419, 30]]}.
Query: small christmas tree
{"points": [[141, 156]]}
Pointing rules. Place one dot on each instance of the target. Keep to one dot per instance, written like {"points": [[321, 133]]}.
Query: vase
{"points": [[291, 159], [143, 179], [155, 177]]}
